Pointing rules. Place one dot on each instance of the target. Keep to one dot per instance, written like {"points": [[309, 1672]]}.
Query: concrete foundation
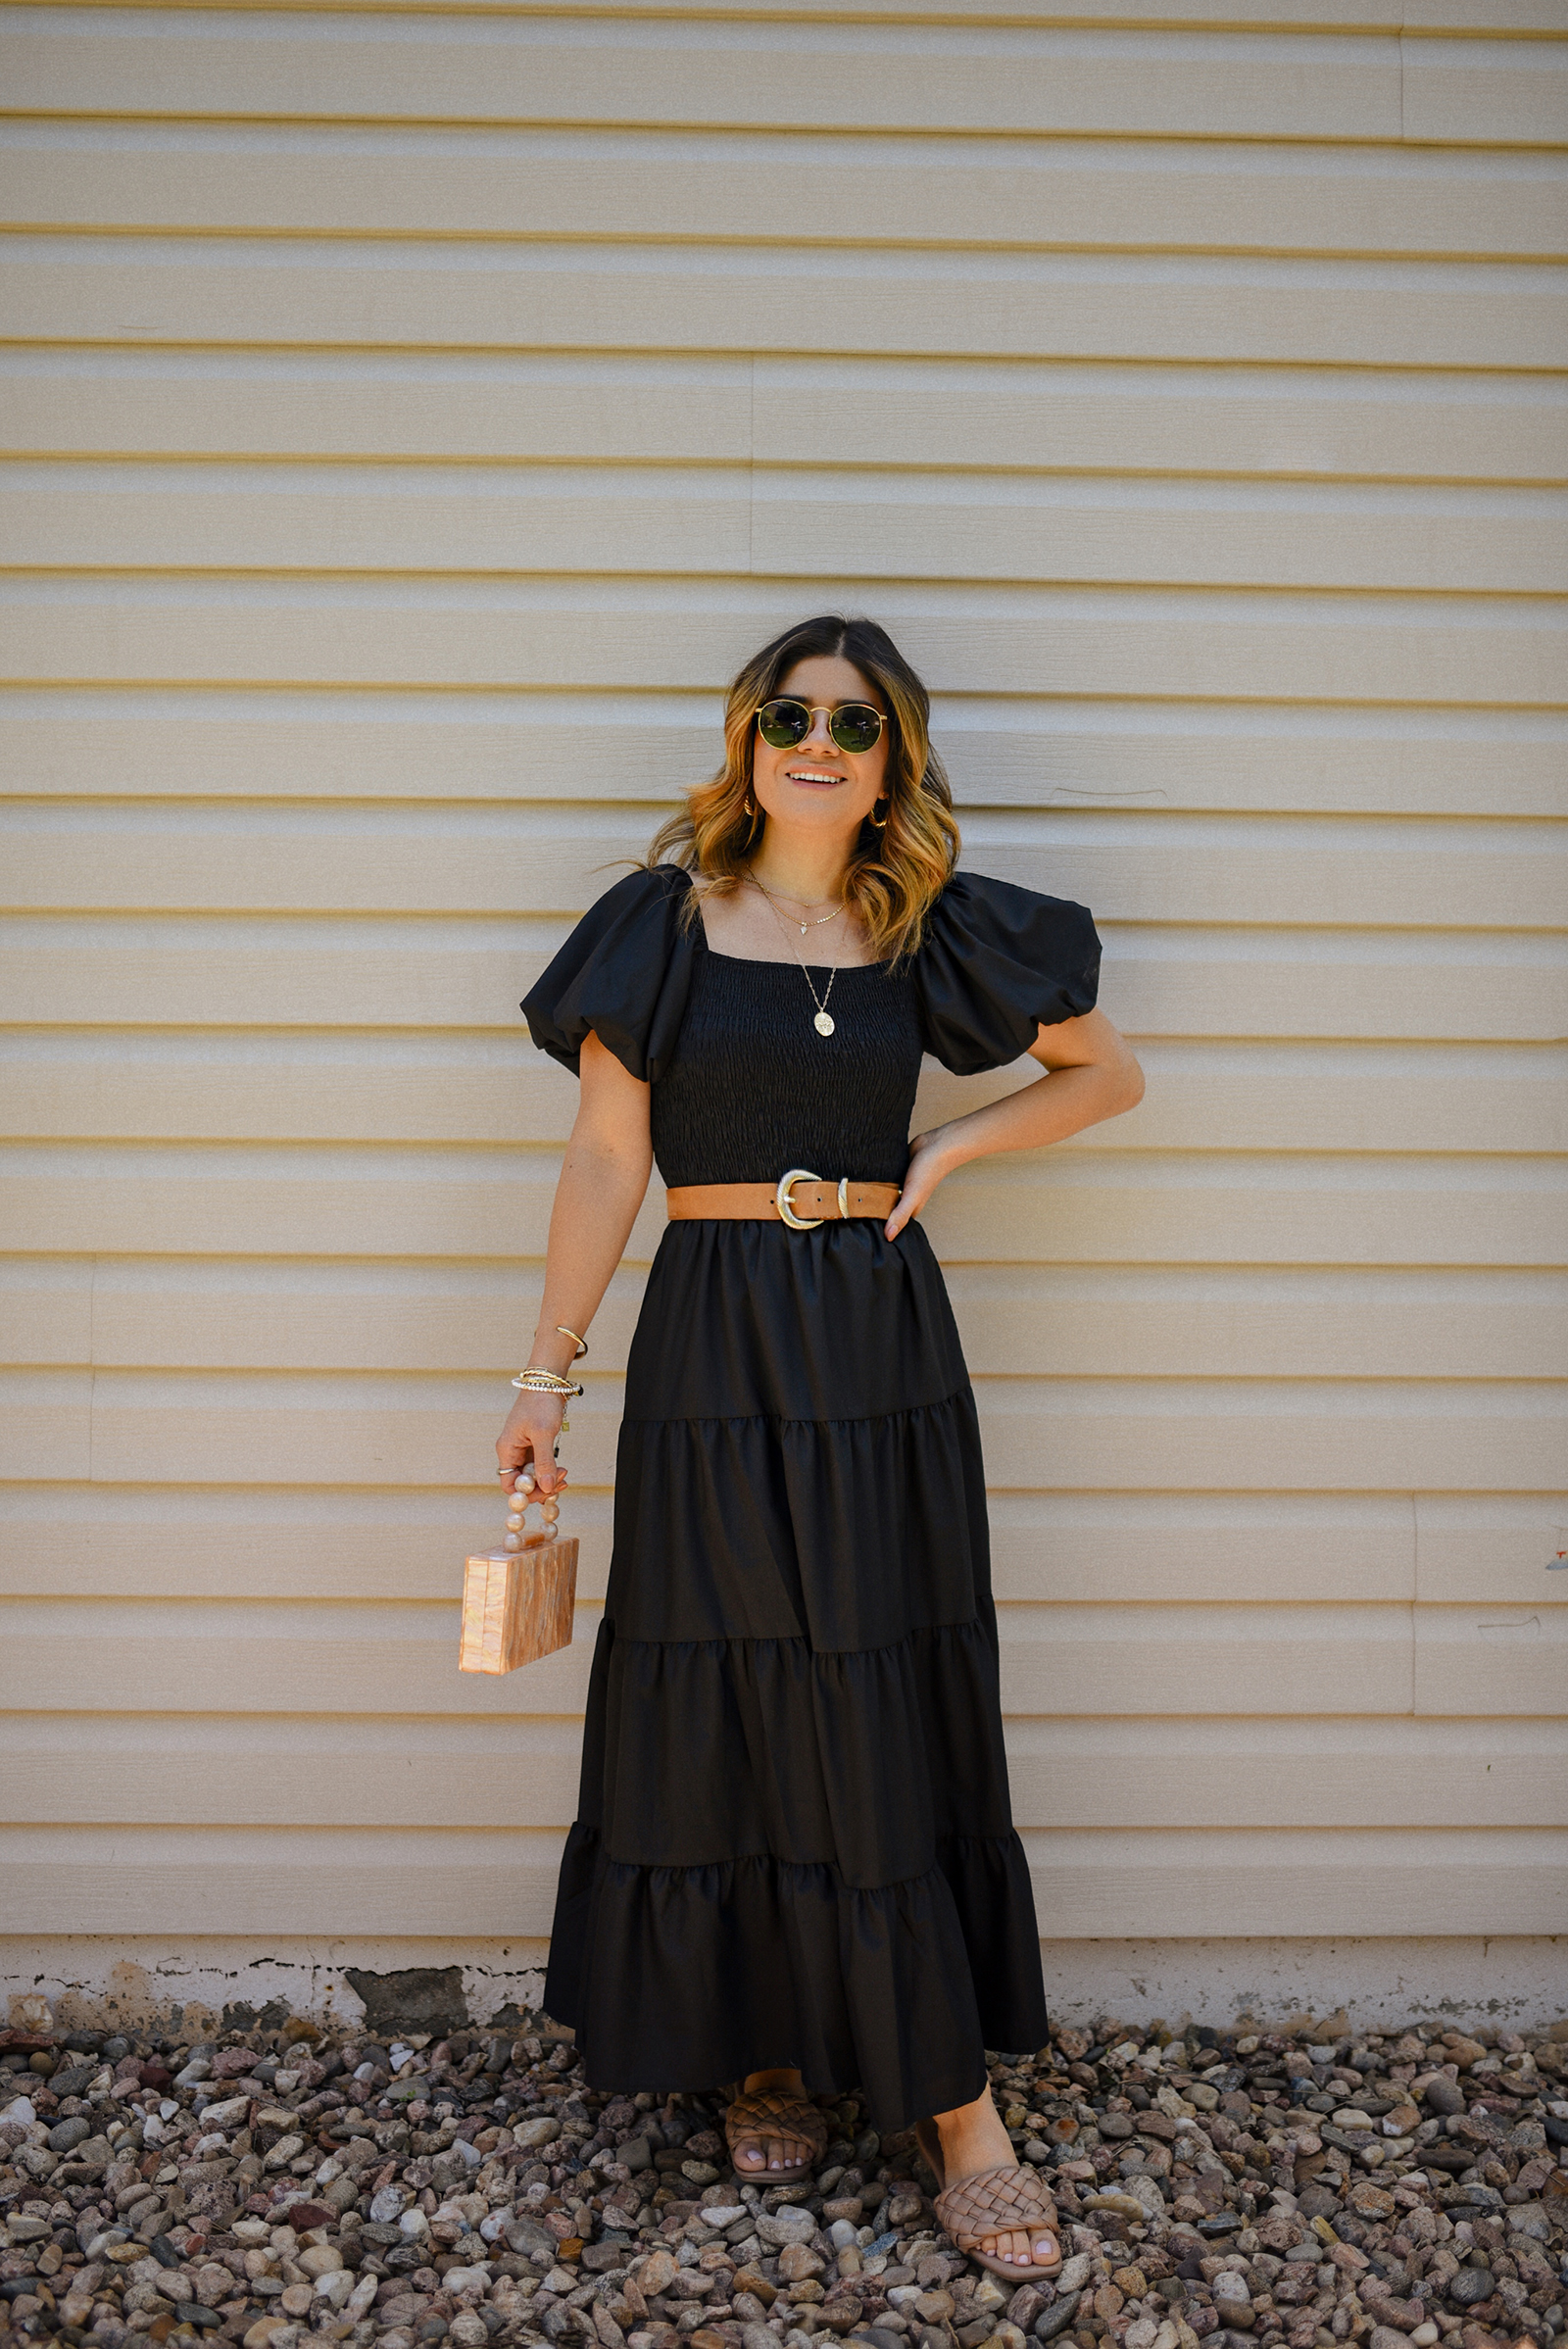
{"points": [[93, 1982]]}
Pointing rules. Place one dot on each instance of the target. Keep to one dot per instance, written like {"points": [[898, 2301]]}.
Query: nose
{"points": [[819, 741]]}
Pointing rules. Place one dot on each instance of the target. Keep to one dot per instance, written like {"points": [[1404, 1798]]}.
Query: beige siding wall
{"points": [[412, 418]]}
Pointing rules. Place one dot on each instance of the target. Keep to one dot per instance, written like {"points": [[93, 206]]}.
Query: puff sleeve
{"points": [[624, 972], [997, 963]]}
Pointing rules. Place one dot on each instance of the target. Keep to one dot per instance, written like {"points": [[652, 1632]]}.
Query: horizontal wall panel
{"points": [[481, 1774], [1055, 1660], [316, 1543], [1088, 1209], [1147, 867], [216, 743], [1183, 984], [345, 405], [1497, 1659], [1181, 1434], [1476, 90], [292, 1880], [953, 416], [550, 70], [1499, 1549], [1426, 17], [180, 290], [324, 1542], [1317, 1884], [796, 187], [1112, 1547], [637, 518], [507, 632], [60, 1085], [187, 1313]]}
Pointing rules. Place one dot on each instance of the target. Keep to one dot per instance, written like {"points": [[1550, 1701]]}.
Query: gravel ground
{"points": [[264, 2186]]}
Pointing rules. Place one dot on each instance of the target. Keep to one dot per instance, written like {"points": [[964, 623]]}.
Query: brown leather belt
{"points": [[799, 1198]]}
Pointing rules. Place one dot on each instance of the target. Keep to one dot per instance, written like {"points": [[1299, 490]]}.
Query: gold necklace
{"points": [[817, 920], [822, 1024]]}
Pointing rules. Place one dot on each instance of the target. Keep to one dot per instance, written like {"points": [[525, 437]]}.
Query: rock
{"points": [[320, 2259], [262, 2331], [934, 2307], [1384, 2337], [785, 2226], [1074, 2272], [1057, 2316], [526, 2236], [1444, 2097], [388, 2205], [1470, 2288], [542, 2131], [657, 2272], [229, 2114], [284, 2152], [465, 2279], [19, 2110], [67, 2134], [725, 2214], [295, 2299], [797, 2261], [468, 2329]]}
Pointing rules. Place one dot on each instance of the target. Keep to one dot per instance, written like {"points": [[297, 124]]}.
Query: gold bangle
{"points": [[581, 1344], [539, 1381]]}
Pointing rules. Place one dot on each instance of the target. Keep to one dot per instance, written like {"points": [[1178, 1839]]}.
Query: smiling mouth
{"points": [[814, 775]]}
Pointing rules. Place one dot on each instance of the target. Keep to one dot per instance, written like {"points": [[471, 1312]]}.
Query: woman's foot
{"points": [[771, 2146], [973, 2139]]}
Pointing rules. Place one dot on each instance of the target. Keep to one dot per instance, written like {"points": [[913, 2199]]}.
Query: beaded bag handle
{"points": [[521, 1499]]}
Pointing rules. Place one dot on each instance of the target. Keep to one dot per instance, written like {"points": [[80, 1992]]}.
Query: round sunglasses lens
{"points": [[856, 728], [783, 724]]}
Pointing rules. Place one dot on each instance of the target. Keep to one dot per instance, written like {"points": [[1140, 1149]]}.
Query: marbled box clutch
{"points": [[517, 1604]]}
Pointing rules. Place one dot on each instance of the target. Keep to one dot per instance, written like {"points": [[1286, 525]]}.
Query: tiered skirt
{"points": [[794, 1843]]}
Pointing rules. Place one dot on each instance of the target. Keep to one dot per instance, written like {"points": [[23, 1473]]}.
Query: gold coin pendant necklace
{"points": [[823, 1023]]}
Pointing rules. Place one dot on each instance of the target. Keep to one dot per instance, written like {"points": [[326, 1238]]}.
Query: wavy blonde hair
{"points": [[897, 870]]}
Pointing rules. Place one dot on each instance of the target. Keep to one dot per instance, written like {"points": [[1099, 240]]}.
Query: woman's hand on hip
{"points": [[529, 1440], [929, 1163]]}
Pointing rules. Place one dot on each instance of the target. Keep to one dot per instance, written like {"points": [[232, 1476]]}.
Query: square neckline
{"points": [[769, 963]]}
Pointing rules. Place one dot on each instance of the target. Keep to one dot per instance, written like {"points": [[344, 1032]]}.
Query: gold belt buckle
{"points": [[807, 1223]]}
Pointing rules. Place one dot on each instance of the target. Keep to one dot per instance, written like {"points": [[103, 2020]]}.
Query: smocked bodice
{"points": [[752, 1089]]}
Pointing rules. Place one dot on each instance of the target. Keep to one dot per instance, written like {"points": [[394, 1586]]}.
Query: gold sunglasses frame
{"points": [[829, 712]]}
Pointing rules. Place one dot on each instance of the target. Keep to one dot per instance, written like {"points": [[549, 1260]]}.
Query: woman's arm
{"points": [[1094, 1075], [603, 1182]]}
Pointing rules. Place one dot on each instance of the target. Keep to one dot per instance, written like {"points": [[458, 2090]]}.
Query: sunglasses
{"points": [[853, 725]]}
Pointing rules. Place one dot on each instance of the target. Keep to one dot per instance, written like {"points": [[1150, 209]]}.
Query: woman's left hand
{"points": [[929, 1163]]}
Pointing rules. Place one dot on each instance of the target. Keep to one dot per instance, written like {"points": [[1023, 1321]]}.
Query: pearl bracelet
{"points": [[546, 1382]]}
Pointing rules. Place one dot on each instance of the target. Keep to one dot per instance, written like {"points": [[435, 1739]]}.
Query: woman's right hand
{"points": [[529, 1440]]}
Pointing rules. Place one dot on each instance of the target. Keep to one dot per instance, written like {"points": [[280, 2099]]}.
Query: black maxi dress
{"points": [[794, 1843]]}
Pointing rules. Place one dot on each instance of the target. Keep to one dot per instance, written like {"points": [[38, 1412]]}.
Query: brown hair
{"points": [[897, 870]]}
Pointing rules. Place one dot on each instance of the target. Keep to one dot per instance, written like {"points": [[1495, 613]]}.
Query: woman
{"points": [[794, 1862]]}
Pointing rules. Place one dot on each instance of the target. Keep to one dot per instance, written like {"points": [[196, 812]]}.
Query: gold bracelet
{"points": [[581, 1344], [539, 1381]]}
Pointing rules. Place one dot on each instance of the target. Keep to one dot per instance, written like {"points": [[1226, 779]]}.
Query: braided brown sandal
{"points": [[1009, 2199], [775, 2112]]}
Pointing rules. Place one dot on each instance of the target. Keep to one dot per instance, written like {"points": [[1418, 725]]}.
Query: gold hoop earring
{"points": [[756, 814], [880, 823]]}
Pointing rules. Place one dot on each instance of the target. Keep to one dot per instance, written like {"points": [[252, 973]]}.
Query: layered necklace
{"points": [[823, 1023]]}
